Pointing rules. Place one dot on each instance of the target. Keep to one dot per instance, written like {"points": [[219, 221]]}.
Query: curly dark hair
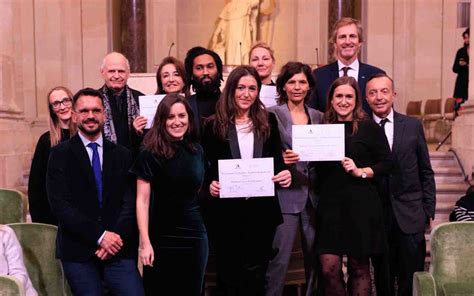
{"points": [[289, 70], [189, 63]]}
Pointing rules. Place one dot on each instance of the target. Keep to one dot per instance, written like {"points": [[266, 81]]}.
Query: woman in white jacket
{"points": [[11, 259]]}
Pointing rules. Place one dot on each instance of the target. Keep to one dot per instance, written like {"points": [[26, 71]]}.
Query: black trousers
{"points": [[405, 256]]}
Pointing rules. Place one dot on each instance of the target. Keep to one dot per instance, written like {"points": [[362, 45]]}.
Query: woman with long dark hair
{"points": [[242, 228], [170, 171], [349, 215], [61, 128]]}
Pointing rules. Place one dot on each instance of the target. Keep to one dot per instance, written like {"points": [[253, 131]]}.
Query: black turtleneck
{"points": [[119, 108], [206, 104], [38, 200]]}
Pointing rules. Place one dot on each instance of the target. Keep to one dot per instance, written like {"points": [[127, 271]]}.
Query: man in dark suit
{"points": [[204, 71], [92, 195], [123, 125], [347, 38], [408, 194]]}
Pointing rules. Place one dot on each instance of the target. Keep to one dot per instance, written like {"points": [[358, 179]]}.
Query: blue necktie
{"points": [[97, 170]]}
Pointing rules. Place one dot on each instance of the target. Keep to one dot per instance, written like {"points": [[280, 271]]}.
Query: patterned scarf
{"points": [[132, 111]]}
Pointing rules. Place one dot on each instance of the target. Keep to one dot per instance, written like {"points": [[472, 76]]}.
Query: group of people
{"points": [[113, 187]]}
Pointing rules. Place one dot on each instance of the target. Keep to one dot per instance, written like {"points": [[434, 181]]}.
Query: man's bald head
{"points": [[115, 70]]}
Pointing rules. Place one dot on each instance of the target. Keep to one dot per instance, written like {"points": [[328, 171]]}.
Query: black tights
{"points": [[359, 275]]}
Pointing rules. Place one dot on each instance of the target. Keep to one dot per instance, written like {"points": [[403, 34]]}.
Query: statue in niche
{"points": [[237, 28]]}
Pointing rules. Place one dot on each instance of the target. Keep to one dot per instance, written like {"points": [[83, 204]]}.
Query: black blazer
{"points": [[326, 75], [73, 196], [216, 148], [412, 184]]}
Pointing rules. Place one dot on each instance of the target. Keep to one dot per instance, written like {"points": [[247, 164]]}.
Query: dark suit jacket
{"points": [[215, 149], [293, 199], [412, 184], [73, 196], [326, 75]]}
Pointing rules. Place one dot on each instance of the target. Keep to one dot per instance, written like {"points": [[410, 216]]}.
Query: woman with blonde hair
{"points": [[61, 128], [261, 57]]}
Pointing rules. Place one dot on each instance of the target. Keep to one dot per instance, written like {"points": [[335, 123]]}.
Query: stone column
{"points": [[8, 107], [338, 9], [133, 29], [15, 135]]}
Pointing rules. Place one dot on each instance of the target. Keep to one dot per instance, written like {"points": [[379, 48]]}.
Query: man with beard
{"points": [[93, 197], [204, 70], [347, 38], [123, 125], [461, 67]]}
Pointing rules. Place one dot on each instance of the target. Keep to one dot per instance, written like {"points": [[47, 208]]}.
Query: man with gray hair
{"points": [[123, 124]]}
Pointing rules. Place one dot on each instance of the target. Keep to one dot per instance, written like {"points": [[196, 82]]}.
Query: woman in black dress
{"points": [[349, 214], [242, 228], [170, 171], [61, 128]]}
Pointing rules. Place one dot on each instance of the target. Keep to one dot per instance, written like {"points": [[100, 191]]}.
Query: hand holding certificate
{"points": [[319, 142], [148, 106], [246, 177]]}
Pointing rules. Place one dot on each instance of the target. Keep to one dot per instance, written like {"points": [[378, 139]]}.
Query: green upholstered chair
{"points": [[12, 206], [10, 286], [38, 242], [452, 262]]}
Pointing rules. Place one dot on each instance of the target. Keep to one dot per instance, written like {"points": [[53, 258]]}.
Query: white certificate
{"points": [[269, 95], [318, 142], [246, 177], [148, 106]]}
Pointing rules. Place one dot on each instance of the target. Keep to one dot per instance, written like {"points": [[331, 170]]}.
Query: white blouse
{"points": [[245, 139], [11, 259]]}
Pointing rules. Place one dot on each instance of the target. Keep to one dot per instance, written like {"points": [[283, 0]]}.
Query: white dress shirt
{"points": [[352, 72], [388, 126], [100, 150], [100, 147]]}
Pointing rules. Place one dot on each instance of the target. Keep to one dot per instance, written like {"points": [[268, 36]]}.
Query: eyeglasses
{"points": [[67, 102]]}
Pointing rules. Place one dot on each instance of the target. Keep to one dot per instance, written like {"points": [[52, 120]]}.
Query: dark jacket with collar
{"points": [[411, 183], [73, 197], [327, 74]]}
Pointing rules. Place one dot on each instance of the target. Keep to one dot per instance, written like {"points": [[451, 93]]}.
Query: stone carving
{"points": [[238, 27]]}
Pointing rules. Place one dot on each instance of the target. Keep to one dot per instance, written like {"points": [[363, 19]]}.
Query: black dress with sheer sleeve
{"points": [[176, 229], [349, 217]]}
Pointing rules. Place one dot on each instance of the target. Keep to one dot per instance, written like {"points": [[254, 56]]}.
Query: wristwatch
{"points": [[364, 174]]}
